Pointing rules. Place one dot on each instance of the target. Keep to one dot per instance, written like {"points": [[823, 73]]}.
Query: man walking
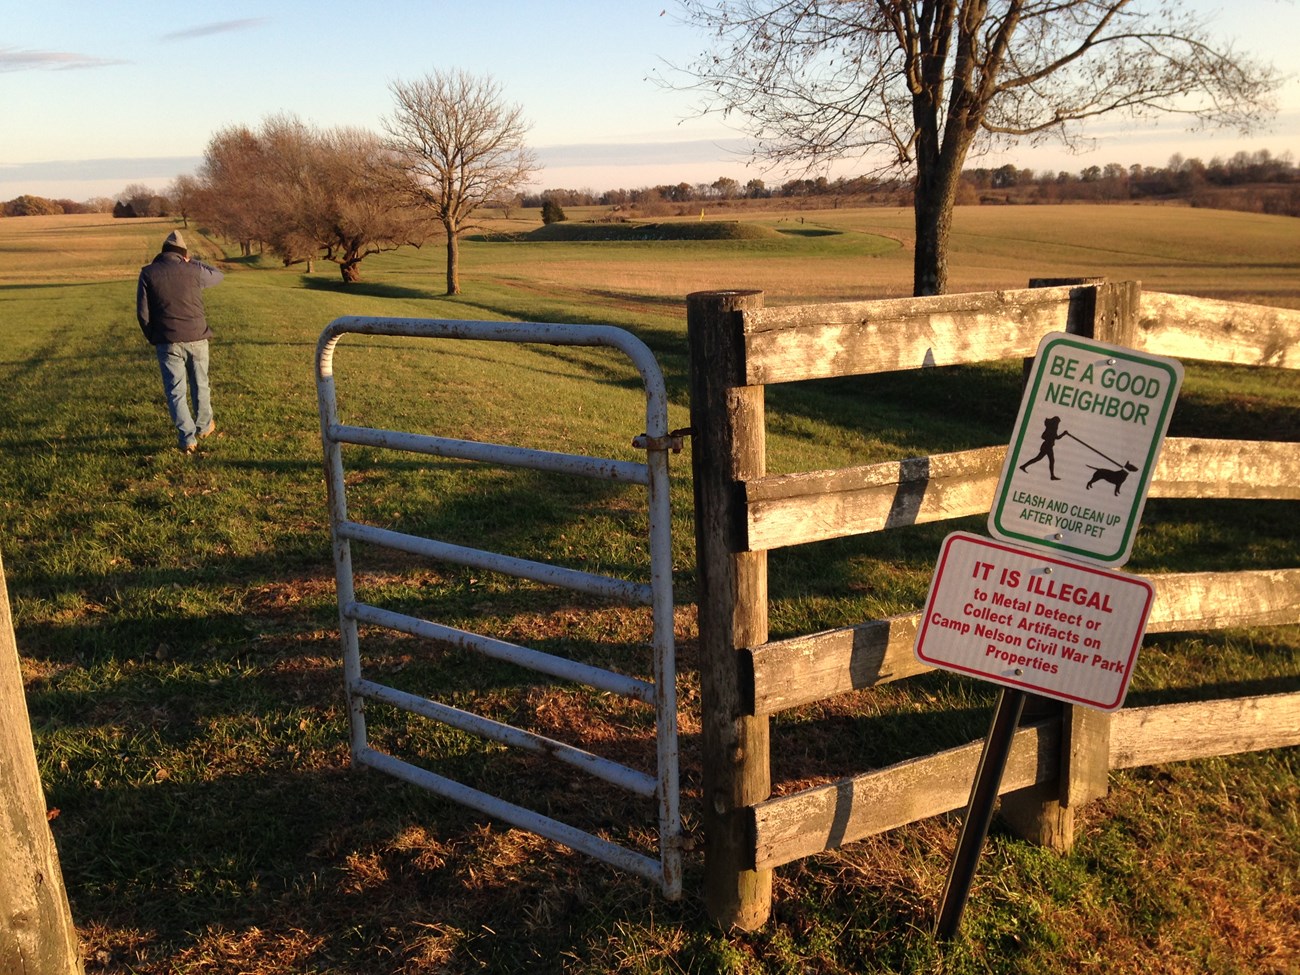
{"points": [[169, 307]]}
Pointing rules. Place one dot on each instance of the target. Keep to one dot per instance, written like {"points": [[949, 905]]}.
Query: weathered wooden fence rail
{"points": [[1060, 759]]}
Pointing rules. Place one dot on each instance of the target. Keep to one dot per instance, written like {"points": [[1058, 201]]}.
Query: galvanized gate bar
{"points": [[490, 805], [601, 768], [543, 663], [661, 692], [619, 590], [538, 460]]}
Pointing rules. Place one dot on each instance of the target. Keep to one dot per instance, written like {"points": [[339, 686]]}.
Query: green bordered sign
{"points": [[1085, 445]]}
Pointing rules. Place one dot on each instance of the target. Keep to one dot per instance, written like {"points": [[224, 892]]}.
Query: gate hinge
{"points": [[673, 441]]}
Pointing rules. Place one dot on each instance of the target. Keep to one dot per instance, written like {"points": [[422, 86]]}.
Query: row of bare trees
{"points": [[1258, 177], [1181, 177], [452, 145]]}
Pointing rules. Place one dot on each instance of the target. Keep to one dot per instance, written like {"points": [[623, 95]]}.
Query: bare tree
{"points": [[462, 147], [726, 187], [182, 194], [233, 196], [917, 85], [350, 209], [143, 200], [306, 193]]}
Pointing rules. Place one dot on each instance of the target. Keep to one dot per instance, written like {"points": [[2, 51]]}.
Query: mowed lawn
{"points": [[178, 628]]}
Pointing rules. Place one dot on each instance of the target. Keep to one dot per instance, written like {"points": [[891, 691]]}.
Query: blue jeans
{"points": [[185, 375]]}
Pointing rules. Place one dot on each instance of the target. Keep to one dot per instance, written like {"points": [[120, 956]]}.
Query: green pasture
{"points": [[178, 627]]}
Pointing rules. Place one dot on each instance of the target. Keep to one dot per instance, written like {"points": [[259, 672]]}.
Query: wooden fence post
{"points": [[1108, 312], [727, 446], [36, 931]]}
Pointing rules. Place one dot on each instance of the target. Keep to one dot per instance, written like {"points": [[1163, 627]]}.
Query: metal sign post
{"points": [[979, 812]]}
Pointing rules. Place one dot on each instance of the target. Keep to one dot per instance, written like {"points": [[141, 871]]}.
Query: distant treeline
{"points": [[135, 200], [38, 206], [1255, 181]]}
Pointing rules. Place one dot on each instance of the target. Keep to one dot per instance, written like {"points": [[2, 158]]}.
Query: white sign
{"points": [[1027, 620], [1091, 423]]}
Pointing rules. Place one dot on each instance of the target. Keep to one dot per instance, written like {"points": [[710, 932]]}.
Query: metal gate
{"points": [[660, 692]]}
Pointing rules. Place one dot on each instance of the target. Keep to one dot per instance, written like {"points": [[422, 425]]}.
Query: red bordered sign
{"points": [[1027, 620]]}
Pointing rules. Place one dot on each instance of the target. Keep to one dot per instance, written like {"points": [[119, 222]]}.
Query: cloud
{"points": [[16, 59], [127, 170], [218, 27]]}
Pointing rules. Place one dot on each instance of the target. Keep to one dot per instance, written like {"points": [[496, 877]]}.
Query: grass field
{"points": [[177, 621]]}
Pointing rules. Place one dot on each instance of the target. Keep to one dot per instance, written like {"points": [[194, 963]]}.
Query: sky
{"points": [[99, 94]]}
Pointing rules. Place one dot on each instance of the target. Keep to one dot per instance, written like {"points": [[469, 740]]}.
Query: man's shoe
{"points": [[209, 430], [190, 448]]}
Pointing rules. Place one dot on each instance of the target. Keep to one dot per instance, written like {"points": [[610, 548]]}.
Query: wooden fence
{"points": [[1062, 755]]}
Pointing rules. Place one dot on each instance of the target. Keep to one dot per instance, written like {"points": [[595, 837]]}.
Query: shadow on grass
{"points": [[668, 343], [23, 289], [947, 408], [808, 232], [366, 289], [329, 869], [827, 748], [205, 811]]}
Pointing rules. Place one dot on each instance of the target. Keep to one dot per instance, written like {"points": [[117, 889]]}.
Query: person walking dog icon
{"points": [[1051, 434]]}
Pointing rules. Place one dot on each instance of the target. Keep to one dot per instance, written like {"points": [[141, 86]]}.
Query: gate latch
{"points": [[673, 441]]}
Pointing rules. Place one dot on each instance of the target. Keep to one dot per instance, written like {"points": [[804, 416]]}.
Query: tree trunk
{"points": [[351, 271], [36, 932], [936, 193], [453, 261]]}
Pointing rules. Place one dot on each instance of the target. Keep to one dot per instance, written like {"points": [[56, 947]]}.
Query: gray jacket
{"points": [[169, 299]]}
